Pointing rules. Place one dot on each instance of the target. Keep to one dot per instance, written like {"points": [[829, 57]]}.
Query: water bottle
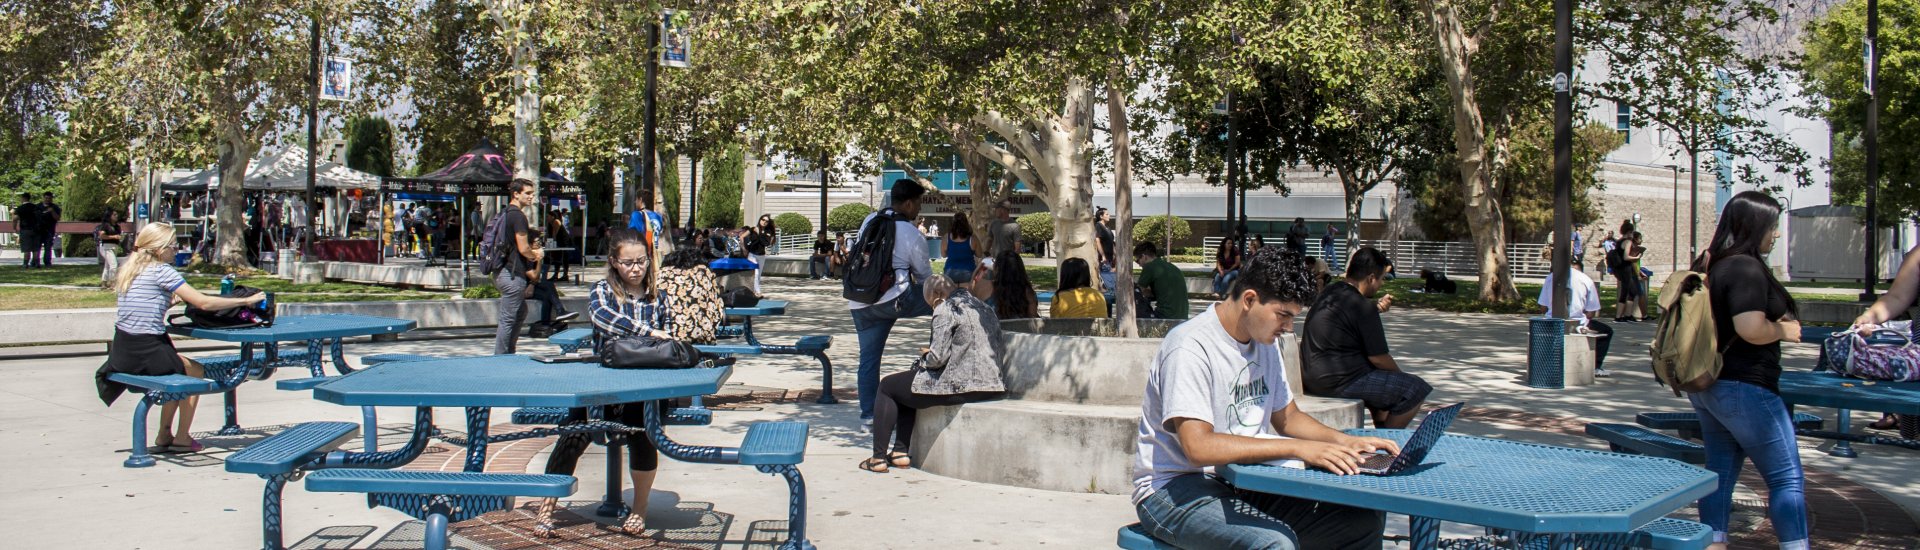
{"points": [[226, 285]]}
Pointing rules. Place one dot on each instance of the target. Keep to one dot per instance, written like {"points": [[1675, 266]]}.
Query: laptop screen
{"points": [[1429, 432]]}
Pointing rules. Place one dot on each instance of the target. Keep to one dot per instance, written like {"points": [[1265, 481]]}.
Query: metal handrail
{"points": [[1452, 258]]}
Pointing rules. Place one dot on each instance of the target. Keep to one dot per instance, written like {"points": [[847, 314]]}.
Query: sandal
{"points": [[543, 517], [161, 446], [1886, 422], [875, 465], [193, 446], [900, 460], [633, 524]]}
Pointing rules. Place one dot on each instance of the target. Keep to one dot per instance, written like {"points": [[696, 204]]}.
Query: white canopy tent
{"points": [[284, 171]]}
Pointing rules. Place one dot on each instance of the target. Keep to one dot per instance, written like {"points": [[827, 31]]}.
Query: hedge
{"points": [[847, 217], [793, 224]]}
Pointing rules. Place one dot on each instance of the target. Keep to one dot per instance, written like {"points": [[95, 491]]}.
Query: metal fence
{"points": [[793, 244], [1409, 257]]}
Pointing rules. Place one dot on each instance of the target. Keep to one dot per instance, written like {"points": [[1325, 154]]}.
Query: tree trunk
{"points": [[980, 193], [1470, 144], [1123, 309], [526, 85], [1355, 195], [1052, 155], [231, 231]]}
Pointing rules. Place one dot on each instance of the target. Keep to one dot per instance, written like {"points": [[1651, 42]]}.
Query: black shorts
{"points": [[1628, 281], [1384, 390]]}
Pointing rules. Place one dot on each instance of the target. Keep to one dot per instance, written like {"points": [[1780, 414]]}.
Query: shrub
{"points": [[793, 224], [480, 292], [1036, 227], [1152, 229], [847, 217]]}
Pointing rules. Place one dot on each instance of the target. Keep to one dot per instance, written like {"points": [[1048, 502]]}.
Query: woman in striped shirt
{"points": [[626, 303], [148, 286]]}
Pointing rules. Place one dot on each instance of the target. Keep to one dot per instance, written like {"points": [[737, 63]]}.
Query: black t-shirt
{"points": [[1297, 237], [756, 244], [1343, 329], [1106, 242], [515, 223], [822, 247], [1738, 285], [26, 218], [49, 217], [106, 229]]}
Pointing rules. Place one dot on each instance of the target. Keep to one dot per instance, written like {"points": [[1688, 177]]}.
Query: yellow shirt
{"points": [[1079, 303]]}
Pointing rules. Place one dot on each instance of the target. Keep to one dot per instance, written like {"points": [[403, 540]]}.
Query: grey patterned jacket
{"points": [[967, 349]]}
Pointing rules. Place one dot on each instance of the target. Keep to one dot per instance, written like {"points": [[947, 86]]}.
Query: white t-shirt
{"points": [[1582, 298], [910, 261], [1202, 373]]}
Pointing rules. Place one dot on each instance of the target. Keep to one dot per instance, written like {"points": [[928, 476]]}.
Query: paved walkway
{"points": [[67, 449]]}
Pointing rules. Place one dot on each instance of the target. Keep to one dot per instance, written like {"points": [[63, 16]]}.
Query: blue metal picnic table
{"points": [[746, 314], [315, 330], [1830, 389], [480, 383], [1526, 488]]}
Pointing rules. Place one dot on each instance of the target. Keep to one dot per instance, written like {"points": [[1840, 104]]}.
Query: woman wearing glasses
{"points": [[627, 302]]}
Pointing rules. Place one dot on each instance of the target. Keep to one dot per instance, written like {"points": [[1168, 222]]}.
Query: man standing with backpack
{"points": [[882, 283], [509, 251], [26, 221]]}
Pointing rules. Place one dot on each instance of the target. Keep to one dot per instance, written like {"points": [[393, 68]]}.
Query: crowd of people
{"points": [[1216, 392]]}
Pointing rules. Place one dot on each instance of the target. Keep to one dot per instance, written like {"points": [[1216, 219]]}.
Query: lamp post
{"points": [[1873, 149], [313, 133], [1674, 252]]}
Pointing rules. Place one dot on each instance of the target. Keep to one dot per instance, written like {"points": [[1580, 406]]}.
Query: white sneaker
{"points": [[866, 425], [1602, 373]]}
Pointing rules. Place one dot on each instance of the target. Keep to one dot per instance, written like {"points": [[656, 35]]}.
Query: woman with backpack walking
{"points": [[1741, 414]]}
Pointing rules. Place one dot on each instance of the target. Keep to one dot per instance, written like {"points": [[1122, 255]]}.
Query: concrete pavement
{"points": [[67, 489]]}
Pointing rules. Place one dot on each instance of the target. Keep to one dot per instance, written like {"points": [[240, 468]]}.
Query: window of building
{"points": [[1623, 121]]}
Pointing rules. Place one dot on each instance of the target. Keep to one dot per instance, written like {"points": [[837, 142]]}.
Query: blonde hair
{"points": [[153, 240], [938, 287]]}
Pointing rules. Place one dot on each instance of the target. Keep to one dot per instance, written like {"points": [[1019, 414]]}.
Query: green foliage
{"points": [[669, 194], [1834, 77], [1526, 184], [480, 292], [720, 195], [370, 145], [37, 164], [1036, 227], [793, 224], [847, 217], [1153, 229]]}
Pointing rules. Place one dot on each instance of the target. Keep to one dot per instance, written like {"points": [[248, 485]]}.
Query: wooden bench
{"points": [[1688, 423], [573, 339], [160, 390], [440, 498], [1632, 439], [283, 457]]}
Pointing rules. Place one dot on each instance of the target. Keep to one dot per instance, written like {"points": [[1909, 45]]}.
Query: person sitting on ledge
{"points": [[963, 366], [1217, 394], [1344, 346], [1077, 299]]}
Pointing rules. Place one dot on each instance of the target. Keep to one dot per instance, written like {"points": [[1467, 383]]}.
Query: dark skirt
{"points": [[142, 354]]}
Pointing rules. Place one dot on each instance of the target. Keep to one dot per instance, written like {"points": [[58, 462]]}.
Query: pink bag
{"points": [[1892, 362]]}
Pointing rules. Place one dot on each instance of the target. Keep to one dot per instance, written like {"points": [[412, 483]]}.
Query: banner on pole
{"points": [[673, 38], [336, 79]]}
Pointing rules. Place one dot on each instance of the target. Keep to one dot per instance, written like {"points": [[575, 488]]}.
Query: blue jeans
{"points": [[1200, 511], [1333, 261], [1740, 420], [1223, 280], [873, 324]]}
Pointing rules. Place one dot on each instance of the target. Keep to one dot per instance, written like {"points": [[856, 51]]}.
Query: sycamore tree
{"points": [[1678, 66], [235, 68], [1833, 77], [441, 58]]}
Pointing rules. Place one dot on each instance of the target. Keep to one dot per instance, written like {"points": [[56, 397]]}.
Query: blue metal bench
{"points": [[440, 498], [679, 416], [371, 360], [1660, 534], [369, 421], [282, 359], [281, 458], [574, 339], [1631, 439], [1135, 537], [163, 389], [771, 447], [1688, 423]]}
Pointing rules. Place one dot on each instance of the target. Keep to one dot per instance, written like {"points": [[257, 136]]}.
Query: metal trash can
{"points": [[1546, 352], [285, 266]]}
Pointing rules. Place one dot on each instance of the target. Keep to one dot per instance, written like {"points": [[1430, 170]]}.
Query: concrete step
{"points": [[1054, 446]]}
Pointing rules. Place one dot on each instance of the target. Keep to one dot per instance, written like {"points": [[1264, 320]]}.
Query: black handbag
{"points": [[646, 352]]}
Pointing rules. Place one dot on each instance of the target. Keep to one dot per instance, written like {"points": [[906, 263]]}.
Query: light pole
{"points": [[1873, 149], [1674, 251], [1562, 154]]}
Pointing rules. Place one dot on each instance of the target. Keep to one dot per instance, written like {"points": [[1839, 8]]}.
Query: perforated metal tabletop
{"points": [[765, 307], [302, 327], [513, 381], [1826, 389], [1503, 484]]}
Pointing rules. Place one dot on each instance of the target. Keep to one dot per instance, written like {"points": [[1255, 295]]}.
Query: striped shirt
{"points": [[614, 317], [143, 308]]}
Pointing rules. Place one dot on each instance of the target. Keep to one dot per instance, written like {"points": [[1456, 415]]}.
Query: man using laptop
{"points": [[1217, 394]]}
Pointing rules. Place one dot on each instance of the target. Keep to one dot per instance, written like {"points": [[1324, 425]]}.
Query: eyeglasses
{"points": [[630, 264]]}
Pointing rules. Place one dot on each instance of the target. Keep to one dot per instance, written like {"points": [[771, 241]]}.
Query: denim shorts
{"points": [[1392, 391]]}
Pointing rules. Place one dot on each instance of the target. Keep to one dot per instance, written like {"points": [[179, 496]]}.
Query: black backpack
{"points": [[234, 317], [1617, 258], [493, 255], [870, 271]]}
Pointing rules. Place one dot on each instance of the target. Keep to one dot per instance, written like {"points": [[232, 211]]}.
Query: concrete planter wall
{"points": [[1072, 410]]}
